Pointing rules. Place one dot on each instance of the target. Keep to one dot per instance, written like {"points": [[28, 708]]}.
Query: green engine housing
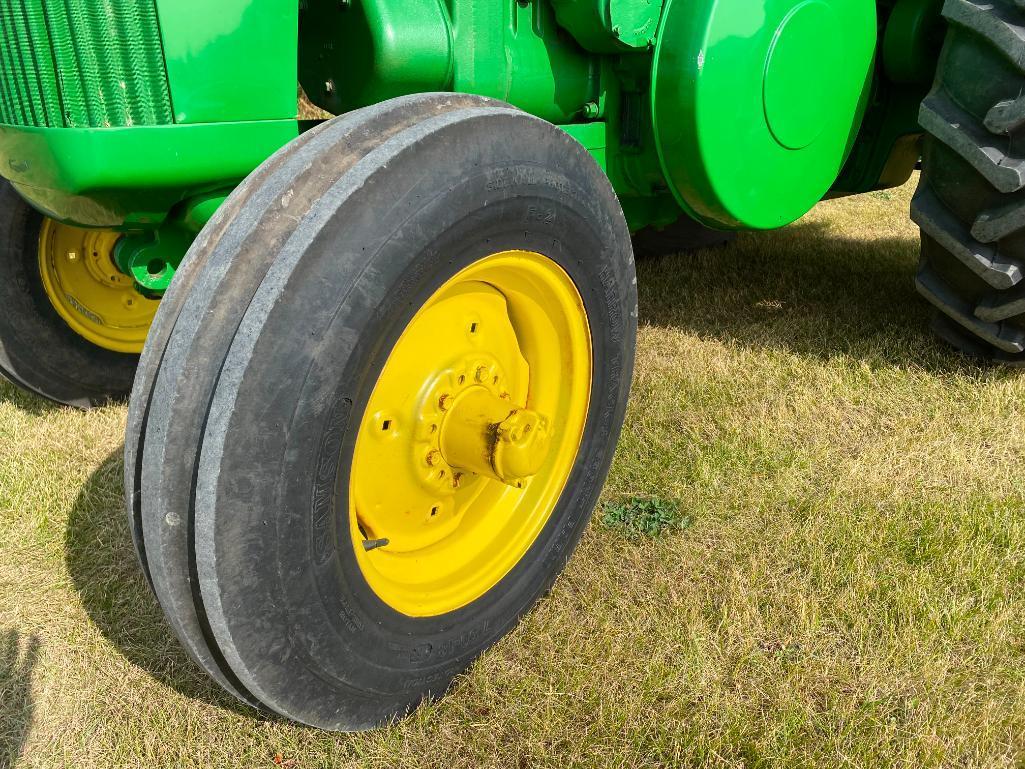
{"points": [[136, 114]]}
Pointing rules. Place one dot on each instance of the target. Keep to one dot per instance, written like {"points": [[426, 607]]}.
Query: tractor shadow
{"points": [[18, 658], [110, 583], [25, 401], [802, 290]]}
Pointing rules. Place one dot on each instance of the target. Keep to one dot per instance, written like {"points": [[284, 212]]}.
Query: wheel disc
{"points": [[88, 291], [470, 433]]}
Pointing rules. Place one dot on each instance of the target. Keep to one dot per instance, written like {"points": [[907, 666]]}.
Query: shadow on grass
{"points": [[801, 290], [17, 660], [24, 400], [102, 562]]}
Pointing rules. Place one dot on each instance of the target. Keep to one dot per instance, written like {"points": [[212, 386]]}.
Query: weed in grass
{"points": [[637, 517]]}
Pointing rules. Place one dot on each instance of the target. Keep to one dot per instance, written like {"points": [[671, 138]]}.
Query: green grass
{"points": [[841, 583]]}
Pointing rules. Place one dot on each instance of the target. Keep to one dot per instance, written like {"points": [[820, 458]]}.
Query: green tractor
{"points": [[378, 363]]}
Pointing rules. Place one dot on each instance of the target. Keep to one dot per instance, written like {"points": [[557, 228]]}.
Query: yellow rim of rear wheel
{"points": [[88, 291], [470, 434]]}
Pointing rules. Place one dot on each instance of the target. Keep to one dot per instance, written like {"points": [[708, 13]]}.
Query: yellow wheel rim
{"points": [[470, 433], [88, 291]]}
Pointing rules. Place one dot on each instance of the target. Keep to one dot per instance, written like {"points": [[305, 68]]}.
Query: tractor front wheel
{"points": [[72, 325], [378, 419]]}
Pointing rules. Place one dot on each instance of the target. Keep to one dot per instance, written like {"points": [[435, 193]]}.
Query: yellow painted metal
{"points": [[470, 433], [88, 291], [486, 434]]}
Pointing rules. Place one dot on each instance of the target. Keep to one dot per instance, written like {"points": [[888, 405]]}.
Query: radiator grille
{"points": [[82, 63]]}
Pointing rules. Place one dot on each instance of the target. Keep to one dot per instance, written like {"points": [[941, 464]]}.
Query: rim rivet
{"points": [[72, 256], [505, 396]]}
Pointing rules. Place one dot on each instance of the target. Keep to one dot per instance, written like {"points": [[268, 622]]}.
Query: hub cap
{"points": [[470, 433], [88, 291]]}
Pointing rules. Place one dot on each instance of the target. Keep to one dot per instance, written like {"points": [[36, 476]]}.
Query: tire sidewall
{"points": [[38, 350], [317, 360]]}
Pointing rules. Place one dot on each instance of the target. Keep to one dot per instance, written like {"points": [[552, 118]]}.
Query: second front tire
{"points": [[392, 427]]}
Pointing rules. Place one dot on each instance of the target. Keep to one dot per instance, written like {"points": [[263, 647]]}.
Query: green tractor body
{"points": [[378, 363], [739, 114]]}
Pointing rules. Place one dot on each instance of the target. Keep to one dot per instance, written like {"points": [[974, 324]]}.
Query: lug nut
{"points": [[433, 457], [444, 402], [481, 375]]}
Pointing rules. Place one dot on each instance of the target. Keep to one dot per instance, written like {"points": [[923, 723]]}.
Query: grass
{"points": [[847, 589]]}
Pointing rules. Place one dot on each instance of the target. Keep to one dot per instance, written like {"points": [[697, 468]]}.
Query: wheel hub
{"points": [[485, 434], [470, 434], [88, 291]]}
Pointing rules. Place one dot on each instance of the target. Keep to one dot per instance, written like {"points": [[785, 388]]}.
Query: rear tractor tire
{"points": [[71, 325], [379, 402], [970, 204]]}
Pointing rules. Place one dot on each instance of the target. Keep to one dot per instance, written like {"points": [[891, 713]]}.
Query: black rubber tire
{"points": [[970, 204], [39, 352], [195, 324], [300, 299]]}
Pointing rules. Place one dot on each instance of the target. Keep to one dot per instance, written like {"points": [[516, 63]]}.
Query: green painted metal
{"points": [[67, 64], [610, 26], [153, 256], [113, 114], [358, 53], [891, 141], [230, 60], [361, 52], [757, 104], [889, 144], [738, 112], [130, 178], [912, 41]]}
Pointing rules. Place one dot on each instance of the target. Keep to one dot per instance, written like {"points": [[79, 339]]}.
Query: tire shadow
{"points": [[25, 401], [18, 658], [806, 291], [110, 583]]}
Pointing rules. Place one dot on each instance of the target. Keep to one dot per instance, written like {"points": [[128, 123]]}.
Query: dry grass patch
{"points": [[847, 589]]}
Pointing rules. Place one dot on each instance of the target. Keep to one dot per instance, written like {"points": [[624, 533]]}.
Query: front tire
{"points": [[413, 212], [40, 351]]}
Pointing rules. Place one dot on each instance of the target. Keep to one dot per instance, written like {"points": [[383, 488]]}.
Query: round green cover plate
{"points": [[756, 103]]}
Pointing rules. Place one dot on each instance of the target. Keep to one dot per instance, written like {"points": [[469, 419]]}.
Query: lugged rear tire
{"points": [[970, 204]]}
